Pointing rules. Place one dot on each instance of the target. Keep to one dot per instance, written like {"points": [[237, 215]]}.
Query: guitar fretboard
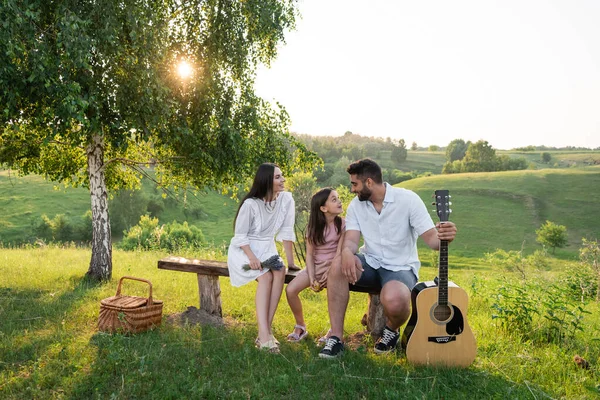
{"points": [[443, 274]]}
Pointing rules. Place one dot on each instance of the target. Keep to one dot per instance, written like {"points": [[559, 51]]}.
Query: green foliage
{"points": [[589, 254], [302, 185], [480, 157], [546, 313], [339, 176], [126, 208], [456, 150], [563, 314], [89, 94], [552, 235], [399, 152], [395, 176], [516, 306], [149, 235], [57, 229], [414, 146], [546, 157], [515, 261]]}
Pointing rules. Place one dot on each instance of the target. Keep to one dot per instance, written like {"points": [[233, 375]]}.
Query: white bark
{"points": [[101, 262]]}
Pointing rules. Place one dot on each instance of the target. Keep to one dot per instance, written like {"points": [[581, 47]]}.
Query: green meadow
{"points": [[528, 315]]}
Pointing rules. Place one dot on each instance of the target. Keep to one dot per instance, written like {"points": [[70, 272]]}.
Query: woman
{"points": [[265, 213]]}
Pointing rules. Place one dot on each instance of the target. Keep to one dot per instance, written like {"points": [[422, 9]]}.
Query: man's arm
{"points": [[442, 231], [349, 249]]}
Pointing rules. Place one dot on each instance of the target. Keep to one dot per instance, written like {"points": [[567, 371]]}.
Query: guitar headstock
{"points": [[442, 204]]}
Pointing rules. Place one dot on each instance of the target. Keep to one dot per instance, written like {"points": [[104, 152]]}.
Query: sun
{"points": [[184, 69]]}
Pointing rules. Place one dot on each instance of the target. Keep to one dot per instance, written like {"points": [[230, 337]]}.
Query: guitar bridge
{"points": [[441, 339]]}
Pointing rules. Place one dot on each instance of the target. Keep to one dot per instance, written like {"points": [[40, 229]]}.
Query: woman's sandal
{"points": [[294, 337], [269, 346]]}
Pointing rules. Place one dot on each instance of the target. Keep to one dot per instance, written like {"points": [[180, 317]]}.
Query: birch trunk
{"points": [[101, 262]]}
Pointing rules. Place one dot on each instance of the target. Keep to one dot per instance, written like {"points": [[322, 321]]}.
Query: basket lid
{"points": [[125, 302]]}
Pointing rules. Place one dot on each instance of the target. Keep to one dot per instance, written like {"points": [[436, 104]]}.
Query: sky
{"points": [[512, 72]]}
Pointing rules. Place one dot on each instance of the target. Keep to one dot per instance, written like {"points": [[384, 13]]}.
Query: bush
{"points": [[57, 229], [149, 235], [546, 157], [552, 235]]}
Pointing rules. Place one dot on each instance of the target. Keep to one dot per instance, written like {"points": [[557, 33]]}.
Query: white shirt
{"points": [[390, 237]]}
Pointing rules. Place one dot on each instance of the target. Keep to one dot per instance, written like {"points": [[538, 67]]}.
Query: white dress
{"points": [[258, 225]]}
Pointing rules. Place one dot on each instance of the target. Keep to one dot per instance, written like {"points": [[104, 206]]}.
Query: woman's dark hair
{"points": [[262, 187], [317, 221]]}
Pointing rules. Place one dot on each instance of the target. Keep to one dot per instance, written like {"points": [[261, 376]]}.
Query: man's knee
{"points": [[395, 296]]}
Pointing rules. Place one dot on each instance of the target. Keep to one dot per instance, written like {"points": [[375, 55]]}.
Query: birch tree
{"points": [[90, 95]]}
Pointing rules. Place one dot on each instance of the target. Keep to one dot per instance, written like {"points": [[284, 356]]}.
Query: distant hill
{"points": [[492, 210], [503, 209], [23, 200]]}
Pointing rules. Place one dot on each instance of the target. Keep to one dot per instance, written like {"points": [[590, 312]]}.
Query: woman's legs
{"points": [[278, 279], [262, 301], [292, 291]]}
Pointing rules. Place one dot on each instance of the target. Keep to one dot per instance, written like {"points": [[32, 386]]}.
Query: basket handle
{"points": [[150, 302]]}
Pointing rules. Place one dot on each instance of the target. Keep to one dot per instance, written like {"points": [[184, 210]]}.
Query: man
{"points": [[390, 220]]}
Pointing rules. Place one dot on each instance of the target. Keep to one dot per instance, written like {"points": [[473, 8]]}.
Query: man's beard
{"points": [[364, 194]]}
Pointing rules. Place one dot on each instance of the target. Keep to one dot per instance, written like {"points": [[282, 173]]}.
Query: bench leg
{"points": [[375, 317], [210, 294]]}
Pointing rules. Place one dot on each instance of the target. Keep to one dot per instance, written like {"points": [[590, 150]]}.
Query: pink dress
{"points": [[324, 254]]}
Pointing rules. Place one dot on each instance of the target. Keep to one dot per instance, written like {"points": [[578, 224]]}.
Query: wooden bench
{"points": [[209, 271]]}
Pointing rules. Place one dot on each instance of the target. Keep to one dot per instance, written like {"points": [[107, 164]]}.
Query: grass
{"points": [[23, 200], [50, 348], [503, 209]]}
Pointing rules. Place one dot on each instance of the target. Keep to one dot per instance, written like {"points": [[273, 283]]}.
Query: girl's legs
{"points": [[292, 291], [278, 279], [262, 301]]}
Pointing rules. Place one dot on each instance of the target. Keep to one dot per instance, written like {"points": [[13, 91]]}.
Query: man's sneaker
{"points": [[333, 348], [387, 342]]}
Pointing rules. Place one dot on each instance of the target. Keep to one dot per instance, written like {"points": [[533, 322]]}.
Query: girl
{"points": [[265, 212], [324, 238]]}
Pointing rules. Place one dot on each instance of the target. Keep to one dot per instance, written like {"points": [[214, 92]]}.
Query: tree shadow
{"points": [[33, 321], [195, 361]]}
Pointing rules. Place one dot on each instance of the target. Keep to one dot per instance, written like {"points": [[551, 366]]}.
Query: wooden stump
{"points": [[210, 294], [375, 318]]}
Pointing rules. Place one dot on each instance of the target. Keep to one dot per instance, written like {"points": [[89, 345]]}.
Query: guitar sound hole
{"points": [[442, 313]]}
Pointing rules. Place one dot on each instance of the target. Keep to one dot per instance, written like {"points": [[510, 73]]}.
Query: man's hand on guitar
{"points": [[446, 230]]}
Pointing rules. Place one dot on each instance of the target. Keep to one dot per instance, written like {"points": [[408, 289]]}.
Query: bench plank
{"points": [[204, 267]]}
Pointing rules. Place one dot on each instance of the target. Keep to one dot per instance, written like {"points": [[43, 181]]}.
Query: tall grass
{"points": [[50, 348]]}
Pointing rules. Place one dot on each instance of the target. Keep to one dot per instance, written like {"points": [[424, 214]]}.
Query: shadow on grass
{"points": [[208, 362], [32, 322]]}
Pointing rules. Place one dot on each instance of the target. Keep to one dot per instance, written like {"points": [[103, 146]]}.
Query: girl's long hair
{"points": [[262, 187], [315, 231]]}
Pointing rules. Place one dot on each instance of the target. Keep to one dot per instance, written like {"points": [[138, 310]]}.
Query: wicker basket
{"points": [[129, 314]]}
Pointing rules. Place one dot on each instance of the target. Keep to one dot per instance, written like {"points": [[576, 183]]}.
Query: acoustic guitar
{"points": [[437, 332]]}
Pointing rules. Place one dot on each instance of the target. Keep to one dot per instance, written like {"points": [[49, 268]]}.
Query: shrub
{"points": [[589, 255], [552, 235], [57, 229], [149, 235]]}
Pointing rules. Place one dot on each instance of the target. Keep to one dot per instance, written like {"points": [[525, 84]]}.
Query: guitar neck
{"points": [[443, 274]]}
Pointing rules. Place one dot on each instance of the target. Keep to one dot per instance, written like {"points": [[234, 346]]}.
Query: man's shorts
{"points": [[377, 278]]}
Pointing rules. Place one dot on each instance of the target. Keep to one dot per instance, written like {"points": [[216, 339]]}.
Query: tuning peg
{"points": [[433, 203], [449, 211], [449, 203]]}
